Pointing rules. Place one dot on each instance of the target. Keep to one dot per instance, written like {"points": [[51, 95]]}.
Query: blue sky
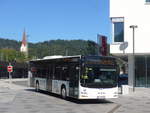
{"points": [[54, 19]]}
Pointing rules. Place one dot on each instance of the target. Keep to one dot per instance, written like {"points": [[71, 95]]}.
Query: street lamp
{"points": [[133, 28]]}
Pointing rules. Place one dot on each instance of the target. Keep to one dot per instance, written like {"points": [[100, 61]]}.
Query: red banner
{"points": [[103, 46]]}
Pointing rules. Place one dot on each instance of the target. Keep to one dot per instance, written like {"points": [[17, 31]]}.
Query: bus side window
{"points": [[64, 72], [38, 72], [57, 72], [50, 71], [74, 72]]}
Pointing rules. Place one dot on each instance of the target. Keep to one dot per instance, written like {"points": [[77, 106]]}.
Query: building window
{"points": [[147, 1], [118, 29], [118, 32]]}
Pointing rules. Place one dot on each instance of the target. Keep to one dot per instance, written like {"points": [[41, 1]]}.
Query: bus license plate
{"points": [[100, 97]]}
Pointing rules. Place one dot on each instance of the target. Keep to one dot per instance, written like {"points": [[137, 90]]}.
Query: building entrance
{"points": [[142, 71]]}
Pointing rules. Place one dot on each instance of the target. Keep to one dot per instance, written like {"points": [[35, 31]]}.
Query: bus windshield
{"points": [[99, 77]]}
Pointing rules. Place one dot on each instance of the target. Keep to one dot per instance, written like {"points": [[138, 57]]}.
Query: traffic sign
{"points": [[10, 68], [123, 46]]}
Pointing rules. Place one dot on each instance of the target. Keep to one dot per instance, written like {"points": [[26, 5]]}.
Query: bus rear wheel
{"points": [[63, 93], [37, 87]]}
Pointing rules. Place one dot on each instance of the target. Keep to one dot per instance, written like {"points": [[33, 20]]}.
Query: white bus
{"points": [[81, 77]]}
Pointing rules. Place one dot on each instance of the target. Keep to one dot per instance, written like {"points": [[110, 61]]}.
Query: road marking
{"points": [[115, 108]]}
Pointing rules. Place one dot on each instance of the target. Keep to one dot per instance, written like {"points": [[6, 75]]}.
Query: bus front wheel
{"points": [[63, 93]]}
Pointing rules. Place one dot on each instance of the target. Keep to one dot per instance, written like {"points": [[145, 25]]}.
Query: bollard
{"points": [[125, 89]]}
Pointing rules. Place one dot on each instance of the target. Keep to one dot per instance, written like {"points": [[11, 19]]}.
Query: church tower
{"points": [[24, 45]]}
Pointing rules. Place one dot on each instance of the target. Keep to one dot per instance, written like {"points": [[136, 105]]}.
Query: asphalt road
{"points": [[26, 100], [18, 98]]}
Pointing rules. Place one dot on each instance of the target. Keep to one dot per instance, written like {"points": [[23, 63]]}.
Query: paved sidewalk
{"points": [[7, 84], [8, 90], [137, 102]]}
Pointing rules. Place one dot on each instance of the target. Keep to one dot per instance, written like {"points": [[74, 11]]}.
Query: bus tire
{"points": [[37, 87], [63, 93]]}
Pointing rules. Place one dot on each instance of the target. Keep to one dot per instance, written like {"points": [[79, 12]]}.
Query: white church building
{"points": [[132, 43]]}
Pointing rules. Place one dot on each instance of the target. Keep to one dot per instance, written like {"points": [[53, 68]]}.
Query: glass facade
{"points": [[147, 1], [118, 31], [142, 71]]}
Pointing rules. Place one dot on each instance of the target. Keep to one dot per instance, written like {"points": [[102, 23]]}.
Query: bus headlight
{"points": [[85, 93], [115, 92]]}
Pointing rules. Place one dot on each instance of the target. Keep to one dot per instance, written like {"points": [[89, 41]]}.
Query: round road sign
{"points": [[10, 68]]}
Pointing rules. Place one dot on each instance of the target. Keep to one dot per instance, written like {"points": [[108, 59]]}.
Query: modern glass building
{"points": [[142, 71], [129, 43]]}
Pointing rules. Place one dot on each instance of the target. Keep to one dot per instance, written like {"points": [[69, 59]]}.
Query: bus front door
{"points": [[73, 84]]}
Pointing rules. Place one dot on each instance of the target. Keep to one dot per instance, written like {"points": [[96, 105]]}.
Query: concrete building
{"points": [[129, 43]]}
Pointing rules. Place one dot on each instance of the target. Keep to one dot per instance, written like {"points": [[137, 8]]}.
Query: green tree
{"points": [[11, 55]]}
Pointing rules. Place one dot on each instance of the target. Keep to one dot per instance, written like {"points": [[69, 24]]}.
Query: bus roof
{"points": [[56, 57], [64, 57]]}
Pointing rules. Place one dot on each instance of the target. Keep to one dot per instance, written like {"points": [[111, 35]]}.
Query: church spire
{"points": [[24, 38], [24, 45]]}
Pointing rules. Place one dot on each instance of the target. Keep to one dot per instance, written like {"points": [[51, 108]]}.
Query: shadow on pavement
{"points": [[77, 101], [21, 83]]}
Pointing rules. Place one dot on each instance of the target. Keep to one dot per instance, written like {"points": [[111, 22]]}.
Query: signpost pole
{"points": [[10, 81], [10, 69], [133, 28]]}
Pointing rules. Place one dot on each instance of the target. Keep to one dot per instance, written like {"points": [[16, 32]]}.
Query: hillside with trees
{"points": [[9, 49], [9, 44]]}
